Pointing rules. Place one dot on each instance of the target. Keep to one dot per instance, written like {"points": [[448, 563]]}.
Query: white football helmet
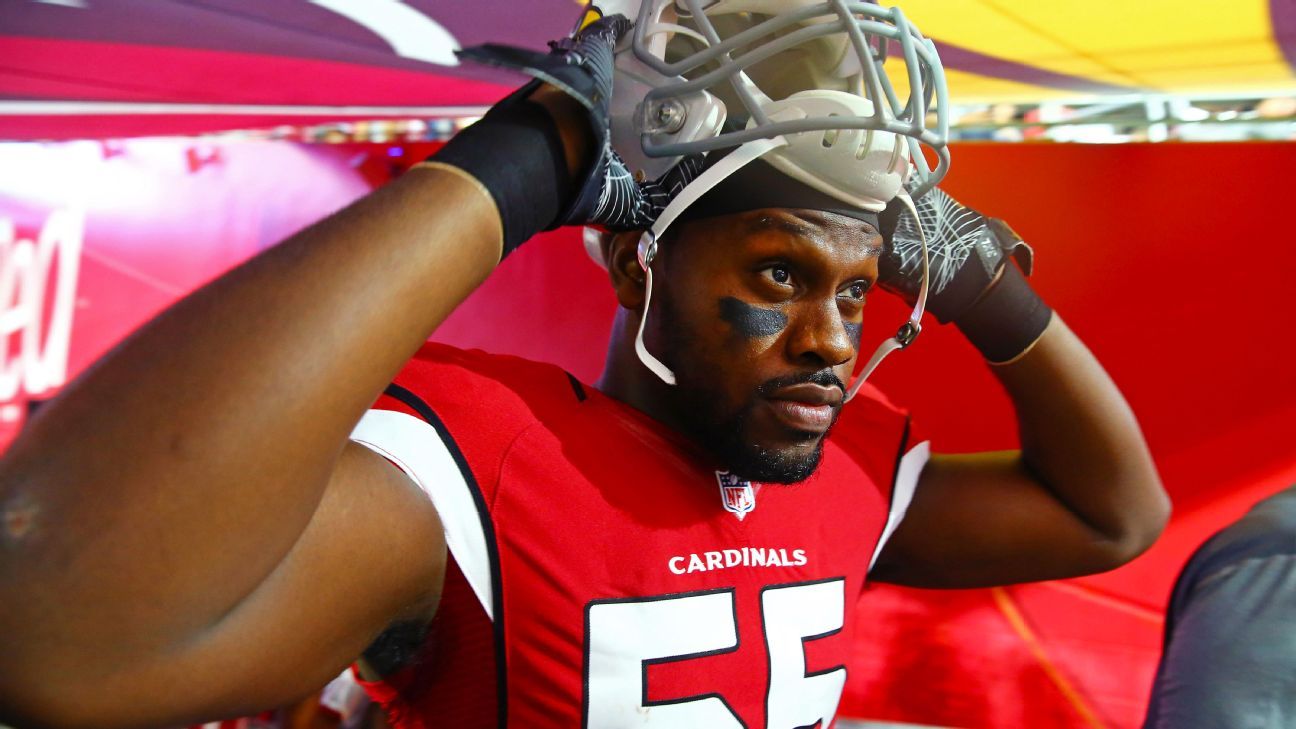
{"points": [[801, 84]]}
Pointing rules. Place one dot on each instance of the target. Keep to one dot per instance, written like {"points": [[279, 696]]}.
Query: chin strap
{"points": [[747, 153], [908, 331]]}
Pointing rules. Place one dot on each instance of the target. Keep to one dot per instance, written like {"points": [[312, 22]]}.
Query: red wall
{"points": [[156, 218], [1171, 261]]}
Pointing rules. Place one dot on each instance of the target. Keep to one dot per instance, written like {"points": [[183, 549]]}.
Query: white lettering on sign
{"points": [[41, 360], [409, 32]]}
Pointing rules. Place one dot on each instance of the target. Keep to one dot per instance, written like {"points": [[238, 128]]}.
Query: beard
{"points": [[725, 433]]}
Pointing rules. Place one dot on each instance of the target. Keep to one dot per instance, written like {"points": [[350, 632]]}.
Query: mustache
{"points": [[824, 377]]}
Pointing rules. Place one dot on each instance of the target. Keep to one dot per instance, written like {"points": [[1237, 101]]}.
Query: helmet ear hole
{"points": [[852, 163], [830, 136], [900, 156], [864, 146]]}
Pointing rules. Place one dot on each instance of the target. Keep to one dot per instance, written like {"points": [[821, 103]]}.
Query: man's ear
{"points": [[622, 256]]}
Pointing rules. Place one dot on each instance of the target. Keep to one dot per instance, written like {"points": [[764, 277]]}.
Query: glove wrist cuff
{"points": [[1007, 320], [516, 152]]}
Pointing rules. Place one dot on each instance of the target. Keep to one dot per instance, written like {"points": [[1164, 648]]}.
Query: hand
{"points": [[608, 196], [966, 253]]}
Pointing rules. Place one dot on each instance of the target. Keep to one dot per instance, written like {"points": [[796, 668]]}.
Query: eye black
{"points": [[780, 274]]}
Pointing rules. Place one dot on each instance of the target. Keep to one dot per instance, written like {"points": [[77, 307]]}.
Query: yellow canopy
{"points": [[1035, 50]]}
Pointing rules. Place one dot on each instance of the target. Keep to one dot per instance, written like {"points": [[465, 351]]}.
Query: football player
{"points": [[682, 543]]}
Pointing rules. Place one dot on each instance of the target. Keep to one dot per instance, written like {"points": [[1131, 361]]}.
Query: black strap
{"points": [[516, 152], [1008, 319]]}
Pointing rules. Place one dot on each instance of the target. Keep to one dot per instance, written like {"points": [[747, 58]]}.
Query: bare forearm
{"points": [[1081, 441], [189, 460]]}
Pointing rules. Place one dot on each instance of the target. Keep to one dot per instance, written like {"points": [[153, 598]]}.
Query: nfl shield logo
{"points": [[736, 494]]}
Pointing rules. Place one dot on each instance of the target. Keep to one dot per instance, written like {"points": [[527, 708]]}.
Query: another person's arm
{"points": [[1230, 639], [1230, 659]]}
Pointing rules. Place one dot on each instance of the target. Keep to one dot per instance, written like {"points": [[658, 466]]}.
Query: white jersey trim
{"points": [[417, 449], [906, 482]]}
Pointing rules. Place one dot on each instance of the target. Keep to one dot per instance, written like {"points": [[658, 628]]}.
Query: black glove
{"points": [[965, 253], [969, 280], [607, 195]]}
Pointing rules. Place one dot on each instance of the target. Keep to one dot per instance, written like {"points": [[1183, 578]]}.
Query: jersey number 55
{"points": [[623, 637]]}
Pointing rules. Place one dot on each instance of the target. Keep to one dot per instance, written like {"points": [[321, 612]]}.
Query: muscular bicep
{"points": [[372, 553], [983, 519]]}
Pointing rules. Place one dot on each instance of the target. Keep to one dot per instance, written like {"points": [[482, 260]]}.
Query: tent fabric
{"points": [[1033, 50], [307, 60]]}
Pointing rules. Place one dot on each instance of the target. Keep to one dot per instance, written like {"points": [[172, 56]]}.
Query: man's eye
{"points": [[778, 274], [856, 291]]}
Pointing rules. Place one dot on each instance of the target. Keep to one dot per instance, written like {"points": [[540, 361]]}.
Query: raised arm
{"points": [[158, 511], [1081, 496], [191, 504]]}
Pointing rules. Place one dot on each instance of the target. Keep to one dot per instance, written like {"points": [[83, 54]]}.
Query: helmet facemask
{"points": [[783, 67]]}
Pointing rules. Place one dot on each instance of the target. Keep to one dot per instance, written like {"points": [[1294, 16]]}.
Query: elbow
{"points": [[1142, 523], [1160, 516]]}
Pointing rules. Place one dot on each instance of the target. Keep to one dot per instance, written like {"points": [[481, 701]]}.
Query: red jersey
{"points": [[605, 572]]}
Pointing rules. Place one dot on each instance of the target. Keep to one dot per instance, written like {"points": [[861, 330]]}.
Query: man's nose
{"points": [[819, 336]]}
